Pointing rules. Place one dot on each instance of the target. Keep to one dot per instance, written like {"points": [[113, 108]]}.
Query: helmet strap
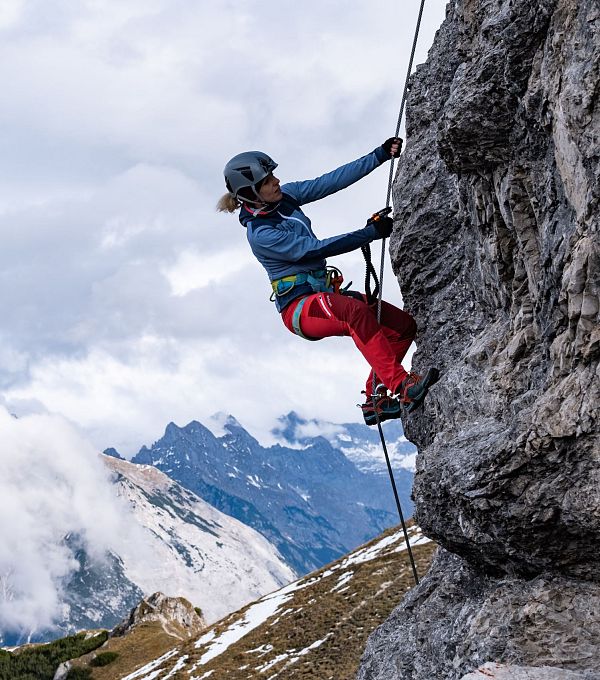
{"points": [[259, 206]]}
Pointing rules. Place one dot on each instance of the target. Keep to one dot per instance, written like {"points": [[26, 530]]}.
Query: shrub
{"points": [[41, 662], [103, 659]]}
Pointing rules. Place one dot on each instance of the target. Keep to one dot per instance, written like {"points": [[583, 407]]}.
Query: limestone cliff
{"points": [[496, 250], [177, 617]]}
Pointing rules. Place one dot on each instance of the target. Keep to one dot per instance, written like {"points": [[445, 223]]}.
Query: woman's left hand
{"points": [[393, 146]]}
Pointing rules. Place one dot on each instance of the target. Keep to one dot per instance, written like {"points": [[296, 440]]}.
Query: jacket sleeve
{"points": [[288, 246], [314, 189]]}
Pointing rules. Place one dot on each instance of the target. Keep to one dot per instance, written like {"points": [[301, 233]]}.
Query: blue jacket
{"points": [[281, 236]]}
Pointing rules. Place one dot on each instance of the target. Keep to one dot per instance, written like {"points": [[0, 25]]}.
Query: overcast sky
{"points": [[127, 301]]}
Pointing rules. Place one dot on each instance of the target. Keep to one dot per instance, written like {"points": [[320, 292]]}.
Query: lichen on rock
{"points": [[497, 253]]}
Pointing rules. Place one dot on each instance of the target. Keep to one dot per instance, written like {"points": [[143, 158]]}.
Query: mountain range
{"points": [[222, 520], [359, 443], [306, 497]]}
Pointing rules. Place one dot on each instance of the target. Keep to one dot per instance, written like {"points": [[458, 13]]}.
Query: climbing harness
{"points": [[328, 280], [296, 319], [378, 295]]}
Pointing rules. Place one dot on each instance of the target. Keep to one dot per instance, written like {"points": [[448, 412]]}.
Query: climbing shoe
{"points": [[380, 405], [413, 389]]}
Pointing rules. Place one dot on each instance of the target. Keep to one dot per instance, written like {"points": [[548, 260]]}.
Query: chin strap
{"points": [[260, 208]]}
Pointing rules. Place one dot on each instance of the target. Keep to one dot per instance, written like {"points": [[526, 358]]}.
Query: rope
{"points": [[370, 273], [400, 513], [379, 285], [398, 125]]}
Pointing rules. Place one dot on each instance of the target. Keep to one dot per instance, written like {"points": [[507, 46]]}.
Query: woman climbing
{"points": [[306, 292]]}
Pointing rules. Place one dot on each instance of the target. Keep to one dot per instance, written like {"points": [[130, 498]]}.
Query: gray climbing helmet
{"points": [[246, 170]]}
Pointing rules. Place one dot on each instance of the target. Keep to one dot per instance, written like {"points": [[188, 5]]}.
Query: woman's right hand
{"points": [[384, 226]]}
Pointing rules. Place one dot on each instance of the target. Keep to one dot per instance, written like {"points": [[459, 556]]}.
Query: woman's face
{"points": [[269, 189]]}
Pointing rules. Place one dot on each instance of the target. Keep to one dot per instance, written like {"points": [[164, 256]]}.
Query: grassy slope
{"points": [[146, 641], [317, 633], [343, 618]]}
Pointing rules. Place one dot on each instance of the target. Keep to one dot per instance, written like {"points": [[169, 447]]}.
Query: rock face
{"points": [[176, 615], [497, 252]]}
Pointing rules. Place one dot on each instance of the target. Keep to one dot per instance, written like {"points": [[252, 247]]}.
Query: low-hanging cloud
{"points": [[53, 484]]}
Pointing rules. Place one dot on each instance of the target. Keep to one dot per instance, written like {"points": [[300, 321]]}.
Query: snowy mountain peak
{"points": [[238, 437], [194, 429], [287, 427], [147, 477], [114, 453]]}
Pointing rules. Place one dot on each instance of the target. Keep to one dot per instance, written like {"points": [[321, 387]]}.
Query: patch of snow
{"points": [[202, 677], [343, 579], [205, 639], [368, 554], [262, 650], [419, 540], [177, 667], [255, 615], [314, 645], [294, 658], [273, 662], [140, 674]]}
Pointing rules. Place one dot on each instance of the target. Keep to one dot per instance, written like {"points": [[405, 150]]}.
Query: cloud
{"points": [[52, 484], [130, 302]]}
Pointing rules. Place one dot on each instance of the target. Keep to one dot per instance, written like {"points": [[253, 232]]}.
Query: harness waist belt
{"points": [[327, 280], [317, 280]]}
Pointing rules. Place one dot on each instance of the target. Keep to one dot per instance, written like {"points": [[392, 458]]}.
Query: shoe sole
{"points": [[382, 418], [429, 379]]}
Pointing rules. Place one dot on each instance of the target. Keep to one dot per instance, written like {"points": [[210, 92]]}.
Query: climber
{"points": [[305, 292]]}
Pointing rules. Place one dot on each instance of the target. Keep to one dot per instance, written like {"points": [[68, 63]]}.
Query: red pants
{"points": [[383, 344]]}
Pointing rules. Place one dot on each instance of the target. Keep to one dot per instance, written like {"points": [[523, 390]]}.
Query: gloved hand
{"points": [[384, 226], [393, 146]]}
